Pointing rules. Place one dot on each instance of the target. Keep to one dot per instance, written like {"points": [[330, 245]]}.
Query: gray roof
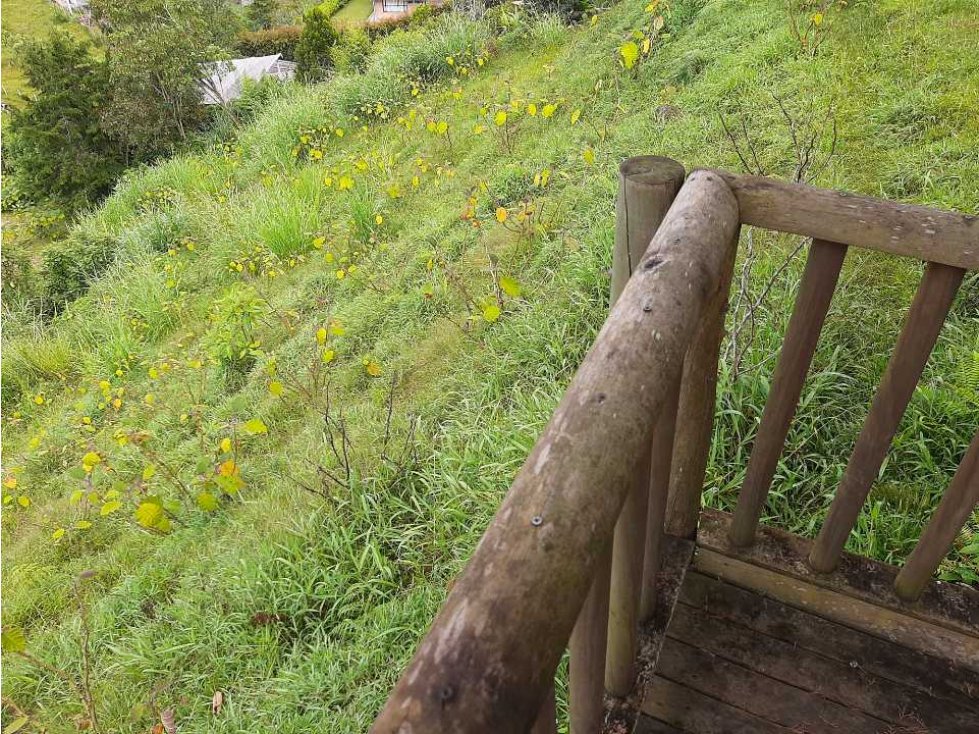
{"points": [[226, 78]]}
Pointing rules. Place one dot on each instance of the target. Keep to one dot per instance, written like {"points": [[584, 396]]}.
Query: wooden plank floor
{"points": [[734, 660]]}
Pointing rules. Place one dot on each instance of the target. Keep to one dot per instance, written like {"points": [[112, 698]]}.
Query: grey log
{"points": [[490, 656], [647, 187]]}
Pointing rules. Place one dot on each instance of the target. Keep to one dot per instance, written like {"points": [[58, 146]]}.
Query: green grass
{"points": [[28, 19], [354, 11], [301, 599]]}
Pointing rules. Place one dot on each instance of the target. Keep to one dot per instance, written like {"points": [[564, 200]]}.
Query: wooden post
{"points": [[547, 716], [811, 304], [695, 415], [586, 666], [489, 658], [957, 504], [647, 187], [659, 488], [918, 336]]}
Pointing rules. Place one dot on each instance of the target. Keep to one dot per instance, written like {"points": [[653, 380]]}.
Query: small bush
{"points": [[315, 44], [352, 51], [281, 40], [71, 266]]}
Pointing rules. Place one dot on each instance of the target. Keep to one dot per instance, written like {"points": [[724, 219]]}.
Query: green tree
{"points": [[57, 147], [158, 52], [315, 44], [261, 14]]}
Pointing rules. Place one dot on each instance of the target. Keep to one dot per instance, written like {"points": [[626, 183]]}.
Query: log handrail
{"points": [[490, 655], [624, 454]]}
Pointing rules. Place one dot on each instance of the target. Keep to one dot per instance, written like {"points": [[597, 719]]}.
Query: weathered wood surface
{"points": [[865, 653], [696, 713], [918, 336], [844, 683], [487, 662], [958, 502], [695, 414], [811, 305], [689, 664], [906, 630], [588, 644], [955, 606], [648, 186], [546, 722], [927, 234], [659, 488]]}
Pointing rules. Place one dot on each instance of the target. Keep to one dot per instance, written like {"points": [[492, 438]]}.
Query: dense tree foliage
{"points": [[57, 146], [317, 41]]}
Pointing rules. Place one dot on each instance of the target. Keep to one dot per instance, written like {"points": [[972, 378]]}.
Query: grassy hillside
{"points": [[253, 455], [28, 19]]}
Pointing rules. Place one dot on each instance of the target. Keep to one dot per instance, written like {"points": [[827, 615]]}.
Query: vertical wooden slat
{"points": [[956, 505], [647, 187], [586, 673], [659, 487], [695, 415], [918, 336], [811, 305], [547, 717]]}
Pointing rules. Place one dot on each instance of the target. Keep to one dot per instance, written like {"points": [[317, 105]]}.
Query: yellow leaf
{"points": [[491, 312], [255, 426], [83, 524], [275, 387], [378, 219], [39, 399], [149, 514], [629, 52], [372, 368], [10, 482], [226, 445], [817, 19], [76, 497], [109, 507], [207, 502], [589, 156], [24, 501], [228, 468], [442, 128], [509, 286], [500, 118], [149, 471], [321, 336], [90, 459], [150, 398], [328, 355], [345, 183], [501, 214], [532, 109], [548, 110], [575, 116], [58, 534]]}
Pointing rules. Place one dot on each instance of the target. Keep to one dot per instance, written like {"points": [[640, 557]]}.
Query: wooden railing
{"points": [[574, 549]]}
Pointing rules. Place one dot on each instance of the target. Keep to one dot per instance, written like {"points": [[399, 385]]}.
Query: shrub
{"points": [[330, 7], [71, 266], [352, 51], [313, 51], [280, 40]]}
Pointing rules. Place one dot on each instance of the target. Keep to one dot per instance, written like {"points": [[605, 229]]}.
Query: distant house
{"points": [[227, 78], [385, 9], [72, 6]]}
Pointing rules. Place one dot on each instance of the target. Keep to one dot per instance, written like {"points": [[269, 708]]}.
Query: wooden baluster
{"points": [[958, 502], [586, 672], [918, 336], [659, 487], [547, 718], [811, 305], [695, 415], [647, 187]]}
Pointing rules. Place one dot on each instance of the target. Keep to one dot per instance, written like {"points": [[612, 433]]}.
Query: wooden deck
{"points": [[741, 654]]}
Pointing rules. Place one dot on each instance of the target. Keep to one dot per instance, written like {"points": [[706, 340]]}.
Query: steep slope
{"points": [[212, 429]]}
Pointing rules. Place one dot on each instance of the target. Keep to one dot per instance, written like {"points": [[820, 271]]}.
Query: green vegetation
{"points": [[28, 19], [302, 366], [353, 11]]}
